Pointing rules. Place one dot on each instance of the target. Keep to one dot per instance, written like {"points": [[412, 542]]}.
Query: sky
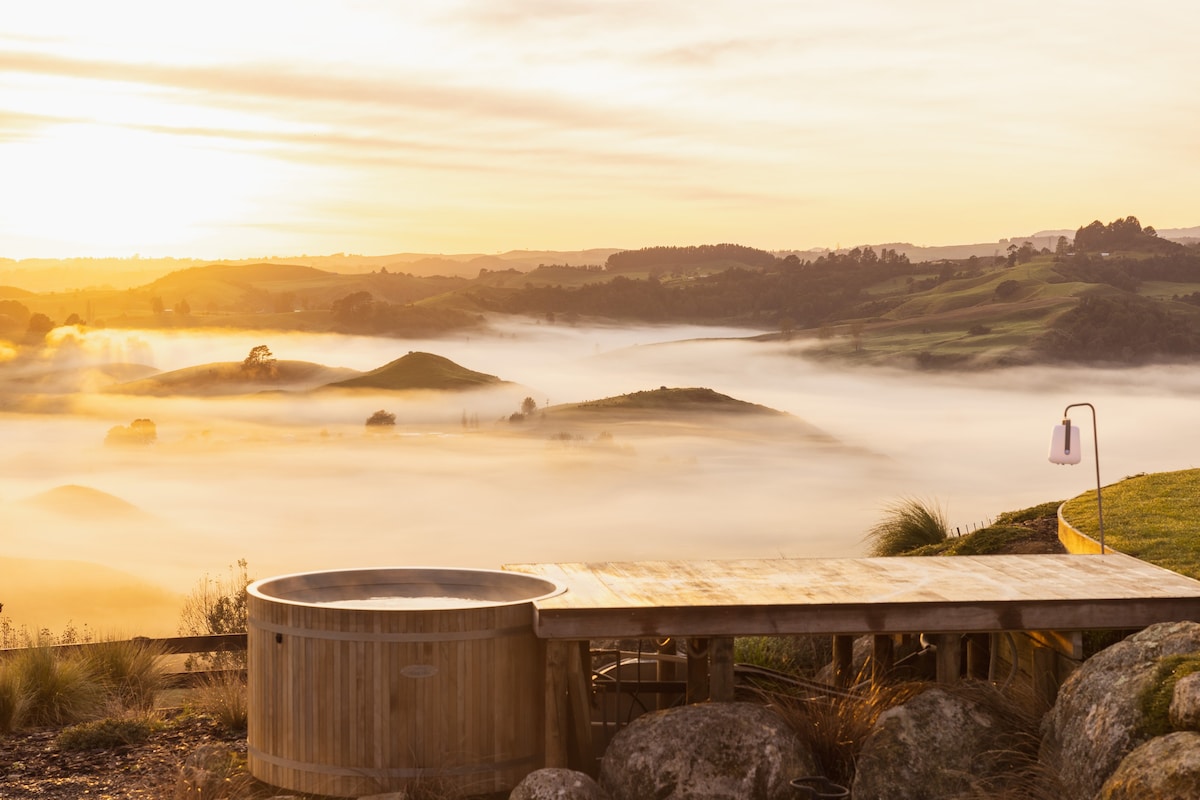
{"points": [[252, 128]]}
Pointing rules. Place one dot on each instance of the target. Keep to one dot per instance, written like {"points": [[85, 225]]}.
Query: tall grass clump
{"points": [[14, 699], [60, 688], [222, 696], [836, 724], [131, 672], [907, 524]]}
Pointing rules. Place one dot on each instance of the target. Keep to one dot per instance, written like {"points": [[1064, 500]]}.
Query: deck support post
{"points": [[666, 670], [949, 657], [697, 670], [720, 670], [557, 713], [883, 656], [579, 695], [979, 654]]}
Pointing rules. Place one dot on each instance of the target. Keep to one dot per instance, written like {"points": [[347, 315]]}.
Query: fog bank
{"points": [[294, 482]]}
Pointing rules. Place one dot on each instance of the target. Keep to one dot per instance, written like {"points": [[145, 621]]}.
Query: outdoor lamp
{"points": [[1066, 447]]}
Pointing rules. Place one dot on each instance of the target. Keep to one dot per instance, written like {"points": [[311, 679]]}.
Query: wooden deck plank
{"points": [[859, 595]]}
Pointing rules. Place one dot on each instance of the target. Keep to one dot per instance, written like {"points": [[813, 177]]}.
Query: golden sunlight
{"points": [[121, 190]]}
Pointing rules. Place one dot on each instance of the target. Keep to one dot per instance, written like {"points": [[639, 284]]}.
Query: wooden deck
{"points": [[1053, 597], [962, 594]]}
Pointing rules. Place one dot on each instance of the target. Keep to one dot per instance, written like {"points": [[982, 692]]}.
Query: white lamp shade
{"points": [[1059, 452]]}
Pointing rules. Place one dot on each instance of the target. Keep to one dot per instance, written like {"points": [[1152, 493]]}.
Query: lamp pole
{"points": [[1096, 441]]}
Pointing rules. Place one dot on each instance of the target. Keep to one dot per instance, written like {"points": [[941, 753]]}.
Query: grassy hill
{"points": [[1152, 517], [675, 401], [232, 378], [678, 411], [419, 371]]}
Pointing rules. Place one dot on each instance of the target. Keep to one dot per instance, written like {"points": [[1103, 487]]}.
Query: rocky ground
{"points": [[33, 766]]}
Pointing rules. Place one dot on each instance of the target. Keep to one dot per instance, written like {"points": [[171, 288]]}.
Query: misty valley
{"points": [[783, 455]]}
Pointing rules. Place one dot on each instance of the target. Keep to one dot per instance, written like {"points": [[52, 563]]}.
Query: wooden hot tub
{"points": [[364, 681]]}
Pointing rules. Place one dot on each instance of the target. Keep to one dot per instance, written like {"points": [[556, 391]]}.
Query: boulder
{"points": [[558, 784], [941, 743], [1098, 717], [1185, 703], [1164, 768], [709, 751]]}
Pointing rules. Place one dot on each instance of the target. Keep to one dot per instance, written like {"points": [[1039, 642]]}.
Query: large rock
{"points": [[1164, 768], [1097, 718], [558, 784], [1185, 703], [937, 745], [710, 751]]}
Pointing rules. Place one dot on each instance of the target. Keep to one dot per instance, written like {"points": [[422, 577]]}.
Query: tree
{"points": [[1062, 248], [217, 607], [353, 309], [40, 325], [528, 406], [156, 305], [259, 361], [381, 418], [1006, 289], [139, 433]]}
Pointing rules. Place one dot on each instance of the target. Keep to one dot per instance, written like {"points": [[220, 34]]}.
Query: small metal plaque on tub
{"points": [[419, 671]]}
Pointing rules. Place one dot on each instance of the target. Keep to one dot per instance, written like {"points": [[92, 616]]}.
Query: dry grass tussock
{"points": [[46, 686], [837, 723], [222, 696]]}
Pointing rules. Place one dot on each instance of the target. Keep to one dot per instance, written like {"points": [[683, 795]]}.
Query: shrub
{"points": [[131, 672], [909, 523], [60, 688], [222, 696], [212, 771], [217, 607], [789, 654], [102, 734], [381, 419]]}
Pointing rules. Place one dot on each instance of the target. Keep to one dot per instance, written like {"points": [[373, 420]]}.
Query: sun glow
{"points": [[120, 190]]}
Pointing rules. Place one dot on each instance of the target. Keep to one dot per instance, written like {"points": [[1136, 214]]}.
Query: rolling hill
{"points": [[419, 371], [681, 411], [232, 378]]}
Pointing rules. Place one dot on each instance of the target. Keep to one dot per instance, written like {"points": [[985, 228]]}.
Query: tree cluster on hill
{"points": [[139, 433], [360, 312], [1121, 328], [804, 293], [1180, 265], [1120, 234], [649, 258]]}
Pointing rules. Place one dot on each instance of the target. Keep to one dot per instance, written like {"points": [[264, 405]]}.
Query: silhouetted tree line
{"points": [[1120, 234], [1123, 328], [805, 293], [649, 258], [360, 312], [1181, 265]]}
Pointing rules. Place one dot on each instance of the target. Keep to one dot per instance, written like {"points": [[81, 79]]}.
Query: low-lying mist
{"points": [[296, 482]]}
